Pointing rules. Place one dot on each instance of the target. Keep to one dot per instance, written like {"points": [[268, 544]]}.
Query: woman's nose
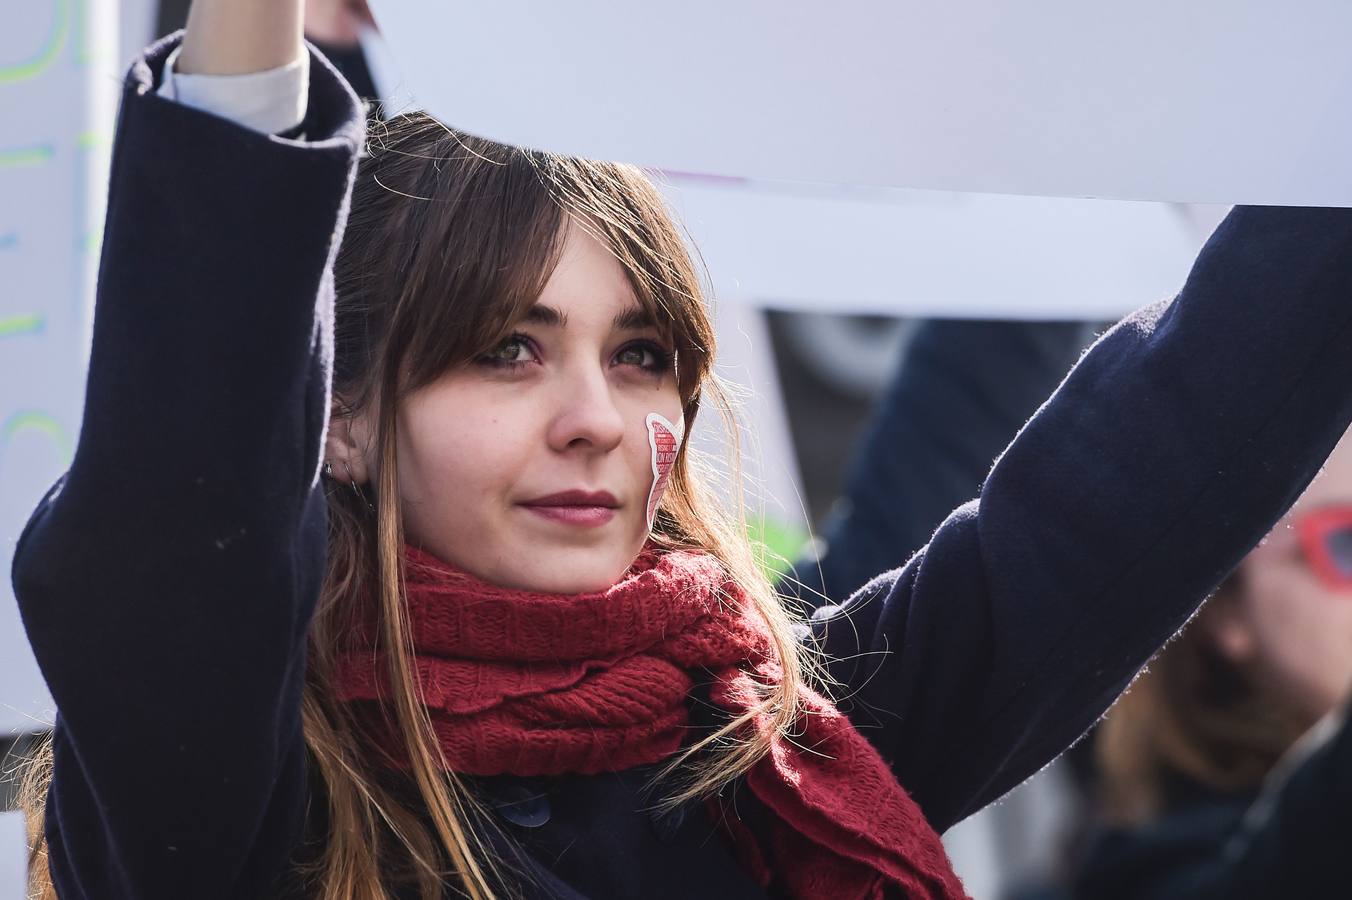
{"points": [[586, 414]]}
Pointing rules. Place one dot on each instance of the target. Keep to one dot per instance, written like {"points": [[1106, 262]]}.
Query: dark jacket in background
{"points": [[964, 388], [1290, 841], [167, 580]]}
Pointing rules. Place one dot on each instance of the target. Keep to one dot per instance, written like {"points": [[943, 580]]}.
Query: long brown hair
{"points": [[449, 241], [1193, 716]]}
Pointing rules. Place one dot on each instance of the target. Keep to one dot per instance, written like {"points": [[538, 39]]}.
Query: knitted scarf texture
{"points": [[533, 684]]}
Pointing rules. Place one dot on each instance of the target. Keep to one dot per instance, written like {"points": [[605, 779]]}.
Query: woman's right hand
{"points": [[237, 37]]}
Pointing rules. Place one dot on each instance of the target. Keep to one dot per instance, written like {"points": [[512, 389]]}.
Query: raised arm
{"points": [[239, 37], [1168, 452], [167, 581]]}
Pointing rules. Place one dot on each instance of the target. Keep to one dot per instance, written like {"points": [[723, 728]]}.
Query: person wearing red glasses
{"points": [[1227, 768]]}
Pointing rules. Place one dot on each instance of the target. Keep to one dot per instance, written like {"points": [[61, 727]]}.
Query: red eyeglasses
{"points": [[1326, 539]]}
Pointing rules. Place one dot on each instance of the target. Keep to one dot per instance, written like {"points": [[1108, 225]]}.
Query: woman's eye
{"points": [[515, 350], [644, 355]]}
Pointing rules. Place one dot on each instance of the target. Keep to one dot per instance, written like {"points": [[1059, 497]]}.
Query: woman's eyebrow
{"points": [[635, 318], [545, 315]]}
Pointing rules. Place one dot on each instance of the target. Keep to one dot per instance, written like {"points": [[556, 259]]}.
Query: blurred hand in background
{"points": [[337, 23]]}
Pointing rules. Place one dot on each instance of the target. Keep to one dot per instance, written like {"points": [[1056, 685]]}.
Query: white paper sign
{"points": [[59, 85], [1215, 101], [13, 856], [930, 253]]}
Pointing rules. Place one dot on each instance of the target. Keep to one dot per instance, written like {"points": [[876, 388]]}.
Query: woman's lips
{"points": [[590, 516], [588, 509]]}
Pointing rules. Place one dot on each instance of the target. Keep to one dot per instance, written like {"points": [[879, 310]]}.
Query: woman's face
{"points": [[530, 467], [1292, 628]]}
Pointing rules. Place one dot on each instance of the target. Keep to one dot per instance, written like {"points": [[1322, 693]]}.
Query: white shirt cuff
{"points": [[271, 102]]}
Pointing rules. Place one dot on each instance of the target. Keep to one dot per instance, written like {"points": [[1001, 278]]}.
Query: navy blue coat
{"points": [[167, 580]]}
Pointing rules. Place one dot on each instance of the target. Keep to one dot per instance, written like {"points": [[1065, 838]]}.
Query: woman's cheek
{"points": [[450, 441]]}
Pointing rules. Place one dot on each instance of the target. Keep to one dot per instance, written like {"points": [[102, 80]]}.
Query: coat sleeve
{"points": [[1167, 453], [167, 581]]}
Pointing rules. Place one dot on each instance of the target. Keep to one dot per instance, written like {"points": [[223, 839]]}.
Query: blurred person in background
{"points": [[1224, 715], [961, 392], [335, 27]]}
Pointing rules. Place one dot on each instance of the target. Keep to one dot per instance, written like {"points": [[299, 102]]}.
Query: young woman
{"points": [[419, 594]]}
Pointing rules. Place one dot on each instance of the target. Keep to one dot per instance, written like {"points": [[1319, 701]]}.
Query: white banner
{"points": [[1214, 101], [59, 81], [929, 253]]}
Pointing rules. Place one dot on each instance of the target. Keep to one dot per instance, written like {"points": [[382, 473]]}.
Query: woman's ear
{"points": [[345, 444]]}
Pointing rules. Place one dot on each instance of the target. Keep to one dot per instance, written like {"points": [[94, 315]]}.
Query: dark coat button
{"points": [[523, 804], [666, 826]]}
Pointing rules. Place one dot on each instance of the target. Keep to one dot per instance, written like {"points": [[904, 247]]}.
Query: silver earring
{"points": [[356, 490], [328, 469]]}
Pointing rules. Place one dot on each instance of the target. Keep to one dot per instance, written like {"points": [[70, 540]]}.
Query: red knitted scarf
{"points": [[544, 684]]}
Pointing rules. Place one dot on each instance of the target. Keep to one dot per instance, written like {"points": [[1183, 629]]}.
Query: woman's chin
{"points": [[568, 570]]}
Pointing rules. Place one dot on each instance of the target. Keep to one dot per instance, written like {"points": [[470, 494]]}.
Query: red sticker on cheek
{"points": [[664, 442]]}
